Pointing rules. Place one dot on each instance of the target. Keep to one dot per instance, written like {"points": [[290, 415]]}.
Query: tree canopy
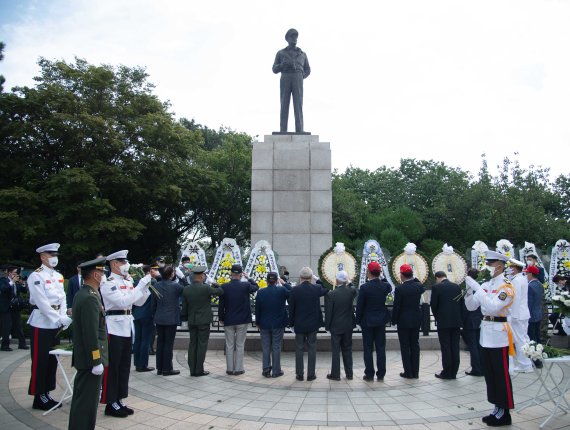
{"points": [[429, 203], [94, 160]]}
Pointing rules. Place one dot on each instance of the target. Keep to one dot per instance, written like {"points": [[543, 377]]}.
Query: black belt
{"points": [[56, 307], [495, 319], [121, 312]]}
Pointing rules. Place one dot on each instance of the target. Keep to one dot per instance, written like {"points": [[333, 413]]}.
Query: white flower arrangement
{"points": [[534, 351], [561, 303]]}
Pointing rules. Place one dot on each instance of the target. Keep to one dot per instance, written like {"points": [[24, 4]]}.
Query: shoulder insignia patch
{"points": [[37, 283], [39, 269], [113, 288], [503, 295]]}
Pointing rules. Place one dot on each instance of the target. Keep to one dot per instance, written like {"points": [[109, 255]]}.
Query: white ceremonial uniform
{"points": [[119, 294], [520, 315], [495, 298], [46, 292]]}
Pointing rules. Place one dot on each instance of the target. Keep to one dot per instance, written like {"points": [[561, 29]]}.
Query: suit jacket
{"points": [[90, 346], [73, 286], [235, 305], [167, 308], [270, 309], [305, 307], [339, 309], [535, 293], [196, 303], [407, 311], [371, 310], [6, 293], [445, 306], [147, 309], [471, 319]]}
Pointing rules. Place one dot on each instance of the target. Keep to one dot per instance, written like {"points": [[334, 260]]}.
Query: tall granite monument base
{"points": [[291, 198]]}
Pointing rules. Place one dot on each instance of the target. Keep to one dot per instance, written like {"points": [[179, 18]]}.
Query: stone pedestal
{"points": [[291, 198]]}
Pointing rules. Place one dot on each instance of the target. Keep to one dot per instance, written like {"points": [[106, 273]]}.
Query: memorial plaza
{"points": [[251, 401]]}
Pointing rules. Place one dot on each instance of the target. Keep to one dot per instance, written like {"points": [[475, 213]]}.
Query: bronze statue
{"points": [[293, 65]]}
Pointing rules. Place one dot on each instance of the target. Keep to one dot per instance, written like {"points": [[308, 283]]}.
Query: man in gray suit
{"points": [[339, 321]]}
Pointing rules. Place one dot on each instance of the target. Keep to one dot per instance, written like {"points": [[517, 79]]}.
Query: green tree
{"points": [[95, 160]]}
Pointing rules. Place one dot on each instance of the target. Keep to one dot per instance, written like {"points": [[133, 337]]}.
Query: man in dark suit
{"points": [[234, 311], [372, 316], [73, 286], [271, 319], [407, 316], [305, 317], [446, 305], [339, 321], [6, 296]]}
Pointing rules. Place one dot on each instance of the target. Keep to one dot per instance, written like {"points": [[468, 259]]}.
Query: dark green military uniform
{"points": [[197, 310], [89, 350]]}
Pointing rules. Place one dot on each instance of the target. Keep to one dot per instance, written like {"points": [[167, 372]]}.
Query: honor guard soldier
{"points": [[90, 349], [197, 310], [119, 296], [495, 298], [49, 314]]}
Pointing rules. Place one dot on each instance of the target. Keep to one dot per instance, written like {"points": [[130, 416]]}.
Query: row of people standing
{"points": [[11, 304]]}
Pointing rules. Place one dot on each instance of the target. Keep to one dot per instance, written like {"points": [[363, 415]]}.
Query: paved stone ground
{"points": [[251, 401]]}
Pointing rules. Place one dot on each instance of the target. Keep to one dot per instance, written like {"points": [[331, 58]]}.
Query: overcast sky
{"points": [[443, 80]]}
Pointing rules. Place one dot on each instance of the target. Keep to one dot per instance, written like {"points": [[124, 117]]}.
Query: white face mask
{"points": [[52, 261], [125, 269], [530, 262], [491, 270]]}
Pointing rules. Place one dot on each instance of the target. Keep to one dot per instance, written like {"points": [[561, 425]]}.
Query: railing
{"points": [[217, 327]]}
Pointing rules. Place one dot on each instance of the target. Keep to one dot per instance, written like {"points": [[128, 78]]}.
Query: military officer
{"points": [[119, 296], [197, 310], [495, 298], [90, 349], [49, 314]]}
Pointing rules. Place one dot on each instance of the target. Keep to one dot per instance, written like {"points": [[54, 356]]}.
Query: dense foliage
{"points": [[429, 203], [94, 160]]}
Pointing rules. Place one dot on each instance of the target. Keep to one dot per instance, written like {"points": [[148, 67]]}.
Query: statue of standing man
{"points": [[294, 67]]}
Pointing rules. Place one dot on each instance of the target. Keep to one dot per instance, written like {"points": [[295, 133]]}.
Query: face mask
{"points": [[103, 279], [125, 269], [530, 263], [53, 261], [161, 265], [491, 270]]}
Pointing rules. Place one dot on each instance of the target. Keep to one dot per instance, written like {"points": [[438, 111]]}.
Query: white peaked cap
{"points": [[118, 255], [50, 247], [492, 255]]}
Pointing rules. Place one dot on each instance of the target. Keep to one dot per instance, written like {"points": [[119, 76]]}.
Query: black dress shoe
{"points": [[144, 369], [114, 410], [6, 348], [229, 372], [44, 403], [125, 408], [239, 372], [349, 377], [442, 376], [299, 377], [311, 378], [277, 375], [23, 347], [486, 418], [505, 420], [403, 375], [266, 373], [170, 372], [159, 372], [331, 377], [368, 378], [204, 373], [471, 373]]}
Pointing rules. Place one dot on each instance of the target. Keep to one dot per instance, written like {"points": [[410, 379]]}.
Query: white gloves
{"points": [[179, 273], [97, 370], [65, 321], [145, 281], [472, 283]]}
